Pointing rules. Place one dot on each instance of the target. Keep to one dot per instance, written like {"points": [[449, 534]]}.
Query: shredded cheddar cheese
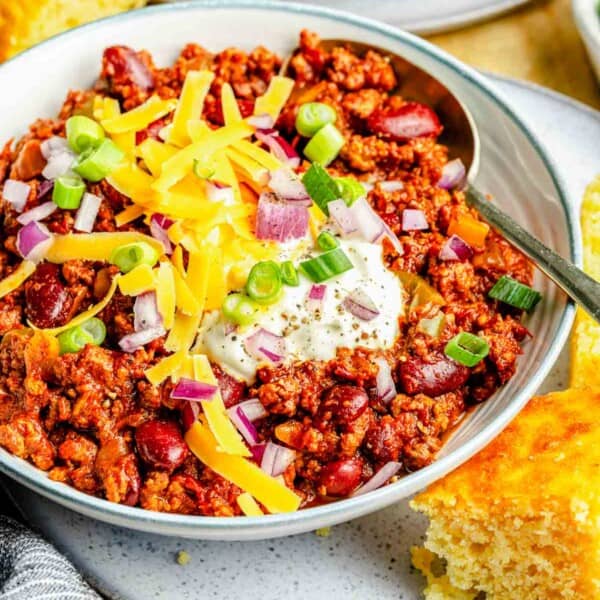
{"points": [[228, 439], [16, 278], [140, 117], [270, 492], [249, 505]]}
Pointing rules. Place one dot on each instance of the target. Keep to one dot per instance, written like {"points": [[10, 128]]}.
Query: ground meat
{"points": [[93, 420]]}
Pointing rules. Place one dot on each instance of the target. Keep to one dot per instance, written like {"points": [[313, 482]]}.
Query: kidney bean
{"points": [[189, 414], [160, 444], [232, 390], [345, 403], [411, 120], [435, 377], [123, 66], [341, 477], [47, 302]]}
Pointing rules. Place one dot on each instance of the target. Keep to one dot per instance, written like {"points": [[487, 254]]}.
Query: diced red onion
{"points": [[342, 217], [133, 341], [192, 390], [87, 213], [44, 188], [59, 165], [386, 388], [278, 146], [34, 241], [391, 236], [280, 221], [288, 187], [380, 478], [258, 451], [414, 220], [253, 409], [276, 459], [261, 121], [391, 186], [16, 193], [159, 224], [219, 192], [369, 222], [360, 305], [316, 295], [229, 328], [453, 175], [264, 344], [455, 248], [371, 226], [38, 213], [145, 312], [243, 425], [54, 145]]}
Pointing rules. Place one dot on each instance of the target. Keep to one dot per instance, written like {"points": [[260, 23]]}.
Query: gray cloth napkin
{"points": [[32, 569]]}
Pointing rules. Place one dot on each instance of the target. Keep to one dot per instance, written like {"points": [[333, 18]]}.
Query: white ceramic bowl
{"points": [[513, 167], [588, 24]]}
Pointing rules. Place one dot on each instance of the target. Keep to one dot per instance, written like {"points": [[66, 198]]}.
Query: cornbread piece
{"points": [[585, 342], [27, 22], [521, 520]]}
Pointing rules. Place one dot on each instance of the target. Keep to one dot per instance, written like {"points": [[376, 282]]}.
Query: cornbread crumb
{"points": [[323, 531], [438, 585], [521, 520], [183, 558], [27, 22]]}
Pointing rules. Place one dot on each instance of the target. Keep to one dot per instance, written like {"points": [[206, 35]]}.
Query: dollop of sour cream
{"points": [[315, 333]]}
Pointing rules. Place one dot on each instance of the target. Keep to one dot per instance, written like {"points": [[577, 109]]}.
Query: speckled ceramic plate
{"points": [[425, 16], [514, 168], [366, 558]]}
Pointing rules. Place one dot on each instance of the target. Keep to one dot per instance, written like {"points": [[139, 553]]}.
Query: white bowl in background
{"points": [[588, 24], [514, 168]]}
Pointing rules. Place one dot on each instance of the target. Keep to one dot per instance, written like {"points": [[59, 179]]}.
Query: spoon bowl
{"points": [[462, 140]]}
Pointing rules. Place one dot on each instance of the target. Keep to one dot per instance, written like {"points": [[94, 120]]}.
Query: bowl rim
{"points": [[334, 512]]}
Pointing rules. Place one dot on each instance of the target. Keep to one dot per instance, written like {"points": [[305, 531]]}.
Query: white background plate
{"points": [[366, 558], [424, 16]]}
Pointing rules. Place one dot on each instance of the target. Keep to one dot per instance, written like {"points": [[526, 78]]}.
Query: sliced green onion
{"points": [[326, 241], [350, 190], [289, 273], [239, 309], [326, 266], [203, 170], [129, 256], [513, 292], [92, 332], [312, 116], [94, 164], [83, 133], [67, 192], [467, 349], [321, 187], [325, 145], [264, 282]]}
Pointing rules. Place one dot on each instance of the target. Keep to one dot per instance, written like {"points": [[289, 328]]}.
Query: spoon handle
{"points": [[572, 280]]}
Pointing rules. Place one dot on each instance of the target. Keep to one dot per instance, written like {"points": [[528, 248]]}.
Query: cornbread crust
{"points": [[585, 341], [24, 23], [522, 518]]}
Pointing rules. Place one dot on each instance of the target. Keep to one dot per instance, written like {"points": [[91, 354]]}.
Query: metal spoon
{"points": [[461, 137]]}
